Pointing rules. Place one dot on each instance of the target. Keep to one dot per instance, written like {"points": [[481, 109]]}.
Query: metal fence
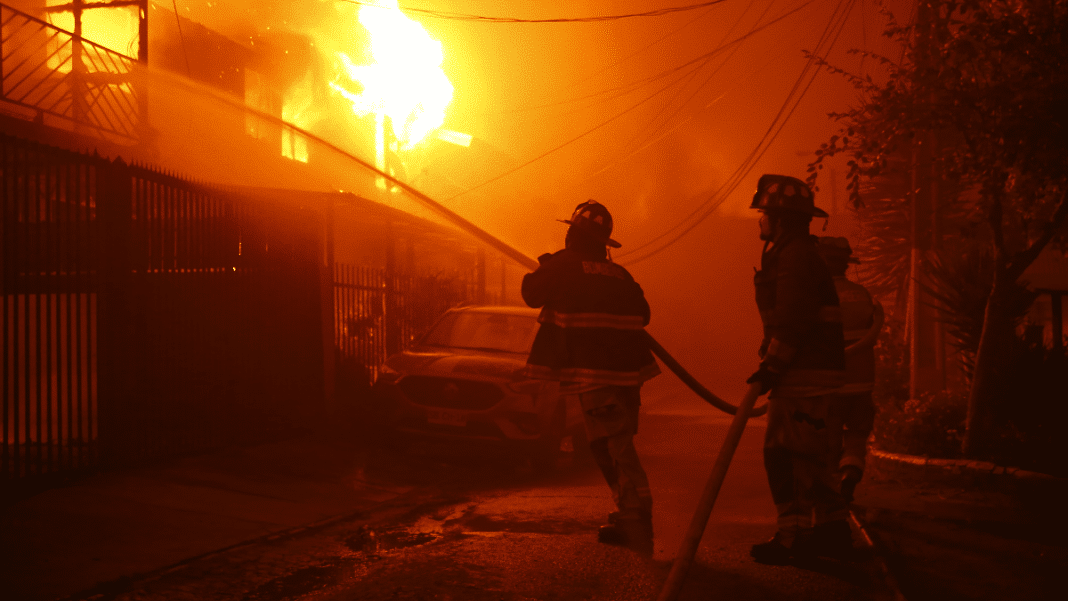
{"points": [[146, 316], [49, 71], [49, 306], [377, 312]]}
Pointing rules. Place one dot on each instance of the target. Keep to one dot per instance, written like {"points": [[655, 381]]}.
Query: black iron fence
{"points": [[49, 309], [378, 313], [146, 316]]}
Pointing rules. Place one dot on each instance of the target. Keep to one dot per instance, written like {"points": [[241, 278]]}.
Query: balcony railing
{"points": [[68, 81]]}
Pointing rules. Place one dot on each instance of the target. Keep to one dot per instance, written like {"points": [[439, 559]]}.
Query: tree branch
{"points": [[1023, 259]]}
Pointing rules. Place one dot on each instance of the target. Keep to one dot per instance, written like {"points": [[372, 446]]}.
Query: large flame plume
{"points": [[405, 82]]}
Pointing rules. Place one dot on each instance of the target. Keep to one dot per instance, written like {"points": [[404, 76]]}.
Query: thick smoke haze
{"points": [[651, 116]]}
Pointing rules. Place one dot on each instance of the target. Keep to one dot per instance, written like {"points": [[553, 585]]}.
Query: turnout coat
{"points": [[592, 322], [799, 307]]}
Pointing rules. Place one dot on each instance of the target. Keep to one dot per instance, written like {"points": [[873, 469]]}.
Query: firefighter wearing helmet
{"points": [[802, 365], [852, 405], [592, 341]]}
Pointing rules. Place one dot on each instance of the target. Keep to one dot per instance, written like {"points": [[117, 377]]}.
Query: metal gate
{"points": [[146, 316], [49, 309], [377, 313]]}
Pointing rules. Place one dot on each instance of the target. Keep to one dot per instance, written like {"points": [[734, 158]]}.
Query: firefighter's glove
{"points": [[768, 378], [544, 258]]}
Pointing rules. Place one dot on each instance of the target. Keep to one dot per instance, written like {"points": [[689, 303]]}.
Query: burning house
{"points": [[187, 261]]}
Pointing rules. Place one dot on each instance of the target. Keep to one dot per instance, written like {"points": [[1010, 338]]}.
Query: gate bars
{"points": [[49, 309], [378, 313], [145, 316]]}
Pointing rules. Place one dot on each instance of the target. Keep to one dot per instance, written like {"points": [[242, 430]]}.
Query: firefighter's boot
{"points": [[776, 553], [635, 533], [834, 539]]}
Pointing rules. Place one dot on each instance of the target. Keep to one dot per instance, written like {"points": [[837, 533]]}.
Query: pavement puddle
{"points": [[376, 541]]}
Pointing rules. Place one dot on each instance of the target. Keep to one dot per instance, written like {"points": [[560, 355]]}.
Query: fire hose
{"points": [[742, 412], [657, 349], [460, 222]]}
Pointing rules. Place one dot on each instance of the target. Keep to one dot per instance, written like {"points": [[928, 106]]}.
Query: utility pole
{"points": [[926, 343]]}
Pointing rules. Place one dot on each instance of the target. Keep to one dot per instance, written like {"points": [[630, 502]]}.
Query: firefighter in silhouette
{"points": [[592, 341], [852, 406], [802, 364]]}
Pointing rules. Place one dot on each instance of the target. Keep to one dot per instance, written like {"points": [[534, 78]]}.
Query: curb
{"points": [[963, 467], [113, 588]]}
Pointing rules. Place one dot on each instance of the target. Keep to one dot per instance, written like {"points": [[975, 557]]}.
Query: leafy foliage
{"points": [[961, 283], [992, 84], [982, 91]]}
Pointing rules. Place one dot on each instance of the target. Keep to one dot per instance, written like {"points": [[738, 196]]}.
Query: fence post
{"points": [[326, 300], [114, 327], [393, 317]]}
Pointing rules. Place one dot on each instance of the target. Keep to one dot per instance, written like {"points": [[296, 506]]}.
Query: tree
{"points": [[989, 80]]}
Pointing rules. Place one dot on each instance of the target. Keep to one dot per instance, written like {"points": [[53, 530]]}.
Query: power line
{"points": [[773, 131], [655, 128], [708, 207], [441, 14], [675, 69], [567, 143], [604, 69], [829, 37], [181, 38], [653, 137]]}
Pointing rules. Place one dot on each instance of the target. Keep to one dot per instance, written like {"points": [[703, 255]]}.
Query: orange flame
{"points": [[405, 82]]}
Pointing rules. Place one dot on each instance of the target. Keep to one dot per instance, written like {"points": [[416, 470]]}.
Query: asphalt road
{"points": [[489, 528]]}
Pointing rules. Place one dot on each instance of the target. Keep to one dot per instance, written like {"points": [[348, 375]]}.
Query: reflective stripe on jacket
{"points": [[592, 322], [802, 319], [858, 312]]}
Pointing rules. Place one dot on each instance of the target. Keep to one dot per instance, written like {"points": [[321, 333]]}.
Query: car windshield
{"points": [[484, 331]]}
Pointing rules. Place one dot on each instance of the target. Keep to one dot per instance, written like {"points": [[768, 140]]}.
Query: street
{"points": [[481, 528]]}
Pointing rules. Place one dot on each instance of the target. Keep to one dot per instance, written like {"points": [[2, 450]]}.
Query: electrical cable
{"points": [[682, 105], [605, 69], [440, 14], [631, 108], [732, 183], [567, 143], [833, 30], [181, 38], [727, 188]]}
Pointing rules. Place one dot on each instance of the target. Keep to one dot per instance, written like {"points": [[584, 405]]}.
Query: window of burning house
{"points": [[262, 98], [114, 28], [294, 107], [296, 110]]}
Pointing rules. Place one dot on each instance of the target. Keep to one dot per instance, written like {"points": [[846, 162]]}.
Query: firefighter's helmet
{"points": [[785, 193], [592, 219], [831, 247]]}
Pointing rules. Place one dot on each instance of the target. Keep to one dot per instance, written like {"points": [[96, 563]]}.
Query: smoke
{"points": [[558, 113]]}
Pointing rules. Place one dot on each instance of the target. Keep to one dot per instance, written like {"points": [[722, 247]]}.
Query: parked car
{"points": [[462, 384]]}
